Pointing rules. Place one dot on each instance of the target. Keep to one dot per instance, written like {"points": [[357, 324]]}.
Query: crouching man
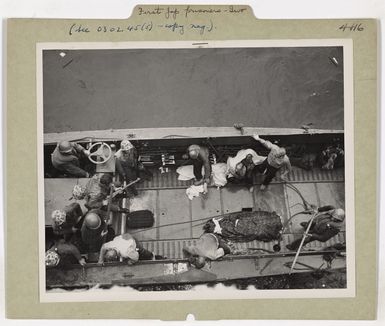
{"points": [[63, 253], [325, 225], [125, 246], [209, 246]]}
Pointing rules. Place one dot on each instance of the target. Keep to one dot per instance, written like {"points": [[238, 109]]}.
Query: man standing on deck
{"points": [[66, 158], [127, 247], [277, 160], [324, 226], [128, 166], [208, 246], [199, 156]]}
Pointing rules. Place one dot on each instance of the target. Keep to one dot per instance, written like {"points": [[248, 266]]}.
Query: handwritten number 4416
{"points": [[351, 27]]}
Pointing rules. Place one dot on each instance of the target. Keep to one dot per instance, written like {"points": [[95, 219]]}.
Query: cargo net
{"points": [[246, 226]]}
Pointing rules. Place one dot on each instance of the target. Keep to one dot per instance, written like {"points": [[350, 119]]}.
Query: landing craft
{"points": [[178, 221]]}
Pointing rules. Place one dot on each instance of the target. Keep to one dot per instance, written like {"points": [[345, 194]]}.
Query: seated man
{"points": [[94, 231], [66, 222], [127, 247], [325, 225], [208, 246], [97, 192], [277, 160], [240, 168], [66, 158], [63, 253], [199, 156]]}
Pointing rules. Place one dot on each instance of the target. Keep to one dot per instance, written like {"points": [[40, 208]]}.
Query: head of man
{"points": [[197, 261], [193, 151], [65, 147], [249, 158], [106, 179], [111, 255], [58, 217], [338, 215], [52, 258], [240, 168], [280, 153], [126, 145], [92, 221]]}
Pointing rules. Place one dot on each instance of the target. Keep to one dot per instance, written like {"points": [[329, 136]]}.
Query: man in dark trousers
{"points": [[325, 225], [125, 246], [199, 156], [67, 221], [66, 158], [94, 231], [276, 160], [63, 253]]}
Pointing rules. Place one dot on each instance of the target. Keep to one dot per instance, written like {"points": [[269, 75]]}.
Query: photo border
{"points": [[108, 295]]}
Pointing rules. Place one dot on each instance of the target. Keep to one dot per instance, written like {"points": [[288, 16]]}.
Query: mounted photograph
{"points": [[182, 170]]}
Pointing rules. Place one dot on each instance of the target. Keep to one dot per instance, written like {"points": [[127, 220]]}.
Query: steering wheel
{"points": [[97, 150]]}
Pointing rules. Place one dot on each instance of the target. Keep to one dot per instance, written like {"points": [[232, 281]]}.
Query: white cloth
{"points": [[241, 155], [217, 228], [194, 191], [219, 174], [186, 172]]}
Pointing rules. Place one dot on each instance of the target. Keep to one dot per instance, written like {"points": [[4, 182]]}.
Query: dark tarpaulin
{"points": [[248, 226]]}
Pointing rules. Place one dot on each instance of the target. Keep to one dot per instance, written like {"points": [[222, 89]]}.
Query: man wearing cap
{"points": [[127, 164], [199, 156], [127, 247], [277, 160], [325, 225], [208, 246], [94, 231], [66, 158], [63, 253], [66, 222]]}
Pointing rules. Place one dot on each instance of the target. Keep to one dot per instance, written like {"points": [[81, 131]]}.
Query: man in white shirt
{"points": [[127, 247]]}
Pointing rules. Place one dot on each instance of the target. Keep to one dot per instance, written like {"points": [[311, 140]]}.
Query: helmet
{"points": [[52, 258], [59, 217], [65, 147], [92, 221], [111, 255], [78, 192], [338, 214], [126, 145]]}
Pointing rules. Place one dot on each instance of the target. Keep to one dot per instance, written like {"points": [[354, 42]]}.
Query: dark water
{"points": [[314, 280], [122, 89]]}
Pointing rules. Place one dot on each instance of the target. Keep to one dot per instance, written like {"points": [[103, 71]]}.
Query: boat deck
{"points": [[166, 197]]}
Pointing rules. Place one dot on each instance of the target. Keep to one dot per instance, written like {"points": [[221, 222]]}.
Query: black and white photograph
{"points": [[203, 170]]}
